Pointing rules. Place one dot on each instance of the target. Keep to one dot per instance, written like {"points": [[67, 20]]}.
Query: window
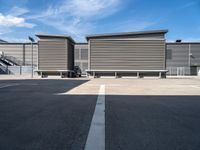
{"points": [[77, 57], [84, 54]]}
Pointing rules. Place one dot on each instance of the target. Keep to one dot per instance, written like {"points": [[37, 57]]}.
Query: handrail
{"points": [[13, 60]]}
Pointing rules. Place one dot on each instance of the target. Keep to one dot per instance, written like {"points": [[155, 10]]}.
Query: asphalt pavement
{"points": [[152, 122], [40, 115], [33, 116]]}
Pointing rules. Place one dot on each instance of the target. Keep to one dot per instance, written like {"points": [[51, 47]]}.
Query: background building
{"points": [[127, 53], [16, 58], [20, 53], [183, 58], [107, 54], [81, 56]]}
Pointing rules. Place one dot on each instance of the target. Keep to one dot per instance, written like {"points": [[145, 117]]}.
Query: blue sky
{"points": [[77, 18]]}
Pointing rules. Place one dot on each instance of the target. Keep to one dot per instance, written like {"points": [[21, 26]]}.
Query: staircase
{"points": [[4, 63]]}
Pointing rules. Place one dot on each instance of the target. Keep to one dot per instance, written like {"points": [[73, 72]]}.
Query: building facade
{"points": [[81, 56], [133, 53], [20, 53], [55, 54], [118, 54], [183, 58]]}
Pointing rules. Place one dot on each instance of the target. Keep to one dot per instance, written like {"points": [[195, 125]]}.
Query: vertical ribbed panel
{"points": [[81, 56]]}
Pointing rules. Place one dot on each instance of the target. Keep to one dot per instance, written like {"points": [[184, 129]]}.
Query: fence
{"points": [[179, 71], [16, 70]]}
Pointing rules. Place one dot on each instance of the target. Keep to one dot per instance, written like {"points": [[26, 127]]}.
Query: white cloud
{"points": [[189, 4], [4, 30], [18, 11], [88, 8], [127, 26], [12, 21], [77, 17]]}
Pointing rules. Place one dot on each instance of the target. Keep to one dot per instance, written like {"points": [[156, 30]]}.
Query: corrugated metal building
{"points": [[133, 53], [55, 54], [20, 52], [81, 56], [183, 58], [140, 53]]}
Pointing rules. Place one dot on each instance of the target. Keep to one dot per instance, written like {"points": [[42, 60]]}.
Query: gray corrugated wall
{"points": [[53, 55], [127, 54], [195, 58], [21, 51], [28, 54], [81, 56], [179, 62], [179, 55], [15, 50]]}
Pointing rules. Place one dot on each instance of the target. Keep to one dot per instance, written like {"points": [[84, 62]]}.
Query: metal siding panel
{"points": [[15, 50], [52, 55], [127, 55], [195, 58], [180, 55], [28, 54]]}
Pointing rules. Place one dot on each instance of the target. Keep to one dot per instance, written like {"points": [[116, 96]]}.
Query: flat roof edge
{"points": [[164, 31], [40, 35], [198, 42]]}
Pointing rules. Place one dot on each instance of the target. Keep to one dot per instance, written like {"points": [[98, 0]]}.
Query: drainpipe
{"points": [[189, 57]]}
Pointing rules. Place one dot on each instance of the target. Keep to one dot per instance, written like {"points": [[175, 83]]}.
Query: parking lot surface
{"points": [[33, 116], [140, 114]]}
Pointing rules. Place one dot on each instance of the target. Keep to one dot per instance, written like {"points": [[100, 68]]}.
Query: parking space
{"points": [[33, 116], [152, 122], [139, 113]]}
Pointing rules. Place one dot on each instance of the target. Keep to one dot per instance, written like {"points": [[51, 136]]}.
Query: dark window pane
{"points": [[84, 54]]}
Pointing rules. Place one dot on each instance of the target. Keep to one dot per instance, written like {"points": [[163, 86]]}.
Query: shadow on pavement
{"points": [[33, 117], [152, 122]]}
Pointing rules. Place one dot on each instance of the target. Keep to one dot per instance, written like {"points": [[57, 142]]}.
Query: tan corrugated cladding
{"points": [[55, 54], [52, 54], [127, 54]]}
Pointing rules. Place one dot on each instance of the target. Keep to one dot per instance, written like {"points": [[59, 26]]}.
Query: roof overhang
{"points": [[125, 34], [57, 36]]}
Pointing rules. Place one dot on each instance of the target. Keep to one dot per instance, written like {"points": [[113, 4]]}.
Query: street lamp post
{"points": [[32, 40]]}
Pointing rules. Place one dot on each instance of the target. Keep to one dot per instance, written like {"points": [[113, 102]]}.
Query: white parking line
{"points": [[96, 136], [8, 85], [195, 86]]}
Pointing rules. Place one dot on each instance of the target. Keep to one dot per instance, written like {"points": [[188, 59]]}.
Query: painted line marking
{"points": [[96, 136], [8, 85], [195, 86]]}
